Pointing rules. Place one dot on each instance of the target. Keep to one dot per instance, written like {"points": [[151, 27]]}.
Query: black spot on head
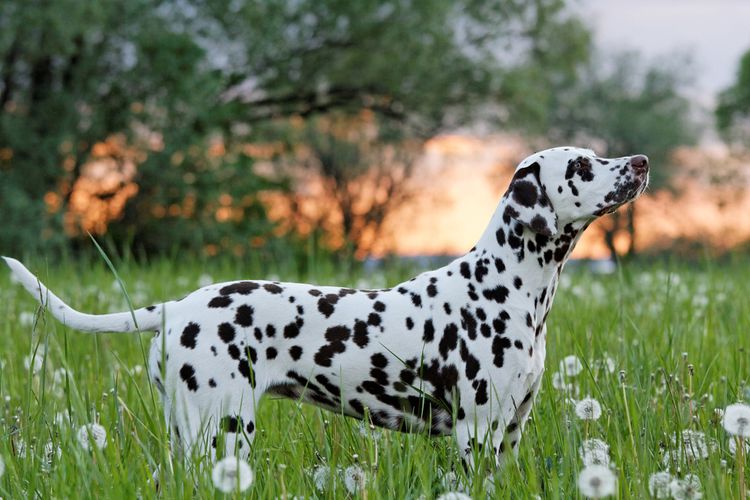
{"points": [[221, 301], [190, 335], [525, 193], [244, 316]]}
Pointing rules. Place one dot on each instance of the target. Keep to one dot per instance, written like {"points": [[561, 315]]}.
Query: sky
{"points": [[715, 32]]}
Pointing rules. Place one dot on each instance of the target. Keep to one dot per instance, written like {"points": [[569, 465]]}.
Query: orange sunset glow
{"points": [[461, 179]]}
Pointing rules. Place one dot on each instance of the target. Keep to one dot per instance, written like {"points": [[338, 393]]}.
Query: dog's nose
{"points": [[639, 163]]}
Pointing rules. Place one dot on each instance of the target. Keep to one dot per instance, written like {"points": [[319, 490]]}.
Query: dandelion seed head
{"points": [[659, 484], [321, 476], [571, 365], [232, 474], [594, 452], [354, 478], [89, 433], [687, 488], [588, 409], [597, 481], [737, 420]]}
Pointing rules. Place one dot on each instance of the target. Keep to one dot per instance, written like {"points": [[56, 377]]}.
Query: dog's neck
{"points": [[537, 258]]}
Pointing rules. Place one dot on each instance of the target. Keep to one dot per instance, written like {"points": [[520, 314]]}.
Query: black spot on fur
{"points": [[187, 374], [244, 316], [291, 330], [271, 288], [226, 332], [325, 307], [242, 287], [498, 294], [221, 301], [295, 352], [429, 331], [271, 353], [449, 341], [190, 335], [360, 333]]}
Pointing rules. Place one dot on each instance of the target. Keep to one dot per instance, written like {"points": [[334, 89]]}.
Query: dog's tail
{"points": [[147, 318]]}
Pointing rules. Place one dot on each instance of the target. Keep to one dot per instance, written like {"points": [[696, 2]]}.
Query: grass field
{"points": [[662, 348]]}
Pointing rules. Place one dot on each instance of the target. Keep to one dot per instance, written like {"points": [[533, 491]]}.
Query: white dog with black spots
{"points": [[459, 350]]}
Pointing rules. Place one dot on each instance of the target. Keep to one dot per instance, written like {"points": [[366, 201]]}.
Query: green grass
{"points": [[658, 324]]}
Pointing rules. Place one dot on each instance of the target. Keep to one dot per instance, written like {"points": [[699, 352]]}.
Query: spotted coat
{"points": [[459, 350]]}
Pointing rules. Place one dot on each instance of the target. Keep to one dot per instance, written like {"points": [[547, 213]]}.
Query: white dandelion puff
{"points": [[454, 495], [560, 383], [687, 488], [321, 476], [232, 474], [571, 365], [205, 280], [608, 364], [659, 484], [34, 362], [92, 432], [52, 453], [594, 452], [62, 418], [60, 376], [597, 481], [26, 318], [354, 478], [737, 420], [588, 409]]}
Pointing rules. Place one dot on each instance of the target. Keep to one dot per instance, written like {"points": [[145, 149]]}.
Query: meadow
{"points": [[662, 348]]}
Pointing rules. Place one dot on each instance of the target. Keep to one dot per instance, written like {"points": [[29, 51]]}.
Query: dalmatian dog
{"points": [[459, 350]]}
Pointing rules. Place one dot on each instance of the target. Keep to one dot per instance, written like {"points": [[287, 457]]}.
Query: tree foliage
{"points": [[733, 109]]}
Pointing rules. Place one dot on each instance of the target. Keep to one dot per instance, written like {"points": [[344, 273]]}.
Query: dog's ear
{"points": [[528, 203]]}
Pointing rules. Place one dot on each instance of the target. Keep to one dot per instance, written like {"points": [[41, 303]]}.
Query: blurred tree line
{"points": [[193, 114]]}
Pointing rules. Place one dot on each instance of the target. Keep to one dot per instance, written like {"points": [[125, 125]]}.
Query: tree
{"points": [[733, 109], [632, 108]]}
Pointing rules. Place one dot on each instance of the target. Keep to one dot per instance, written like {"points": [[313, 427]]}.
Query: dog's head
{"points": [[562, 185]]}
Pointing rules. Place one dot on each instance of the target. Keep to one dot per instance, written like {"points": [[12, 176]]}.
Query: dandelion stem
{"points": [[627, 417], [741, 465]]}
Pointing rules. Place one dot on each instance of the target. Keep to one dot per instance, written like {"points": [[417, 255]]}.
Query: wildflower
{"points": [[95, 432], [454, 495], [659, 484], [588, 409], [354, 478], [571, 365], [321, 475], [231, 474], [594, 452], [687, 488], [737, 420], [597, 481]]}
